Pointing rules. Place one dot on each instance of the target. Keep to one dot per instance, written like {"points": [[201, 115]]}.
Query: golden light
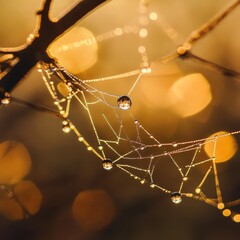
{"points": [[93, 210], [143, 33], [226, 212], [10, 208], [197, 190], [153, 16], [76, 50], [29, 196], [226, 146], [154, 86], [220, 206], [190, 95], [15, 162], [24, 198], [236, 218]]}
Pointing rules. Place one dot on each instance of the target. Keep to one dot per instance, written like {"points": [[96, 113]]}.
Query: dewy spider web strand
{"points": [[142, 154], [184, 147]]}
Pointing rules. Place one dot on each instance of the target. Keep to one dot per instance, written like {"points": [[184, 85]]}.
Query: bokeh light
{"points": [[220, 206], [15, 162], [19, 202], [29, 195], [155, 86], [93, 210], [226, 212], [226, 146], [236, 218], [190, 94], [10, 208], [76, 50]]}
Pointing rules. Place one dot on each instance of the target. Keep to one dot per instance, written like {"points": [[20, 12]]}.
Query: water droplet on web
{"points": [[176, 197], [5, 98], [175, 144], [107, 164], [124, 102], [143, 181], [66, 127], [198, 190]]}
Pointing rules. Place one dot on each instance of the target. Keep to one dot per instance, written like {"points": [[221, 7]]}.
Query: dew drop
{"points": [[5, 98], [80, 139], [198, 190], [152, 185], [107, 164], [175, 144], [176, 197], [124, 102], [143, 181], [66, 126]]}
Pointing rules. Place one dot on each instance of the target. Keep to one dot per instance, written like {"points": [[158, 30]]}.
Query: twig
{"points": [[183, 51], [233, 203], [212, 65], [45, 32], [37, 107], [211, 24]]}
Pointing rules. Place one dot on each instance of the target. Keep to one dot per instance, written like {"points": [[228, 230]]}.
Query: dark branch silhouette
{"points": [[27, 55]]}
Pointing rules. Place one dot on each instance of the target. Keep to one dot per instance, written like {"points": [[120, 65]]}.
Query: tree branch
{"points": [[211, 24], [46, 31], [212, 65]]}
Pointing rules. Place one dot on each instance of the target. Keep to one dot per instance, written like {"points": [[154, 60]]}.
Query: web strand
{"points": [[123, 140]]}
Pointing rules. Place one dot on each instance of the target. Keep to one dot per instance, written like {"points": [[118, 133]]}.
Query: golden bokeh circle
{"points": [[93, 210]]}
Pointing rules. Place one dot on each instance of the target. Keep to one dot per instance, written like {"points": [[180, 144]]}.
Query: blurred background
{"points": [[62, 187]]}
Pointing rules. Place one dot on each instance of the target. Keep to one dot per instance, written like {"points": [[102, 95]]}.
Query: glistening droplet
{"points": [[124, 102], [176, 197], [107, 164]]}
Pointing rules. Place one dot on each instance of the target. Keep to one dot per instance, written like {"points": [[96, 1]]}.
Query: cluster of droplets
{"points": [[5, 98], [66, 126], [124, 103]]}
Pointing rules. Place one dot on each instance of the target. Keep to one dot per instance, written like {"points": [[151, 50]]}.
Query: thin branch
{"points": [[42, 21], [5, 58], [13, 50], [183, 51], [214, 66], [45, 32], [211, 24], [198, 34], [36, 107], [6, 66], [44, 11], [232, 203]]}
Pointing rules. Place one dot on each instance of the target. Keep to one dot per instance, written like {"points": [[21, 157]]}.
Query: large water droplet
{"points": [[107, 164], [66, 126], [124, 102], [176, 197]]}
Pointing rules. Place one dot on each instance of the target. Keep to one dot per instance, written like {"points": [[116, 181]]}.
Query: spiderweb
{"points": [[120, 140]]}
